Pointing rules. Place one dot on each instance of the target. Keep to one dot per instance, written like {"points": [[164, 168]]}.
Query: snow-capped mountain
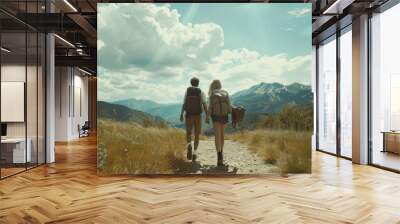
{"points": [[271, 97]]}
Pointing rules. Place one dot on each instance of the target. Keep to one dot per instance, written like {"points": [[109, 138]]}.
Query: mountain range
{"points": [[169, 112], [260, 99], [266, 98], [142, 105], [124, 114]]}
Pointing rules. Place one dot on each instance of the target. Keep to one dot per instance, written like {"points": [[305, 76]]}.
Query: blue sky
{"points": [[150, 51], [267, 28]]}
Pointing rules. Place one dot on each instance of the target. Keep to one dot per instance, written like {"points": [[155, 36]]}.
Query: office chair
{"points": [[84, 130]]}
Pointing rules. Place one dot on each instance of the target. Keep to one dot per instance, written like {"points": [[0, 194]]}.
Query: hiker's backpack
{"points": [[220, 103], [237, 115], [193, 101]]}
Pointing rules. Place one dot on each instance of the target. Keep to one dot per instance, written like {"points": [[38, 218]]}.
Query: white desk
{"points": [[18, 150]]}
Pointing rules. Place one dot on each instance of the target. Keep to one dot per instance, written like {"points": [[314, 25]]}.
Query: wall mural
{"points": [[204, 88]]}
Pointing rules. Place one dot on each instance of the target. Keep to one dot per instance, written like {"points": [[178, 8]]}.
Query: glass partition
{"points": [[23, 91], [327, 96], [385, 89], [346, 93], [14, 151]]}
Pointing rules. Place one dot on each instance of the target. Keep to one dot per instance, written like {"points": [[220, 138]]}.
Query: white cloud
{"points": [[241, 68], [152, 37], [100, 44], [299, 12], [114, 85], [148, 53], [237, 69]]}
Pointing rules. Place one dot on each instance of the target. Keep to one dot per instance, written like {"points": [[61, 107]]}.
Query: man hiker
{"points": [[194, 104]]}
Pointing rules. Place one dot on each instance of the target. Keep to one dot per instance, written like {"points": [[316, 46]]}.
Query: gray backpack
{"points": [[220, 103]]}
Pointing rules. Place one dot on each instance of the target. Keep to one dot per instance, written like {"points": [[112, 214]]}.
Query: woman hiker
{"points": [[219, 107]]}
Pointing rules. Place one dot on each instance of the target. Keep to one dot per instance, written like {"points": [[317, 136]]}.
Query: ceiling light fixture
{"points": [[331, 7], [70, 5], [80, 51], [64, 40], [84, 71], [337, 7], [5, 50]]}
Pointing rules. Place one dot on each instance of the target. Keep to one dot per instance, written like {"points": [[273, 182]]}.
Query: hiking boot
{"points": [[189, 152], [194, 157], [220, 159]]}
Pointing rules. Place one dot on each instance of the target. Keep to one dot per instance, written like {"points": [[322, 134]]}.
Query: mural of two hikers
{"points": [[204, 88]]}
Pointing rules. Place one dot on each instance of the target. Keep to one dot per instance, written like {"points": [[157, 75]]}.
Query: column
{"points": [[360, 90]]}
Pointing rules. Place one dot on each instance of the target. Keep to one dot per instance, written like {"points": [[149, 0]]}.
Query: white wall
{"points": [[81, 102], [62, 82], [71, 102]]}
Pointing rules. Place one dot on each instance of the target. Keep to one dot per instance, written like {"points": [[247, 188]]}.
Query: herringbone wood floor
{"points": [[70, 191]]}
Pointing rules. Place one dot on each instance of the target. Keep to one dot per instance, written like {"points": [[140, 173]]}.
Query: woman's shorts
{"points": [[219, 119]]}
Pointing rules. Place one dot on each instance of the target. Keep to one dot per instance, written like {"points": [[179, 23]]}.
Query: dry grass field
{"points": [[130, 148], [289, 150]]}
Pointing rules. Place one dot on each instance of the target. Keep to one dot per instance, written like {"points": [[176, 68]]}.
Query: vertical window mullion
{"points": [[0, 94], [369, 90], [26, 86], [338, 80], [37, 90], [317, 96]]}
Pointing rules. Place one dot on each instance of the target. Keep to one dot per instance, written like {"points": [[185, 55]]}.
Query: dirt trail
{"points": [[237, 158]]}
